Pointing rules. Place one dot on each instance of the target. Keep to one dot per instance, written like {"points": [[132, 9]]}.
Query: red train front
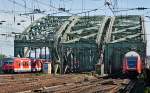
{"points": [[21, 65], [7, 65], [132, 63], [37, 64]]}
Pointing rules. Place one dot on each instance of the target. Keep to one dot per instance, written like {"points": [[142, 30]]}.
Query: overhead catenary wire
{"points": [[131, 9], [32, 10], [55, 8], [86, 11], [109, 4], [25, 5], [40, 2], [21, 5], [114, 7], [14, 9], [146, 13]]}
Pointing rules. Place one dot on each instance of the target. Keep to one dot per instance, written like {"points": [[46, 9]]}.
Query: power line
{"points": [[129, 9], [34, 11], [147, 12], [19, 4], [115, 5], [87, 11], [57, 9], [66, 11], [109, 4]]}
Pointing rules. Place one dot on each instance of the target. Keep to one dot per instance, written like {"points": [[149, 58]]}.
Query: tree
{"points": [[2, 56]]}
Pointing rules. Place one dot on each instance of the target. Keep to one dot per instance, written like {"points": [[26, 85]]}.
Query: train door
{"points": [[26, 65], [33, 65], [38, 65], [17, 65]]}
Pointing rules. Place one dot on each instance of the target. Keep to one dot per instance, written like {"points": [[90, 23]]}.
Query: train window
{"points": [[5, 62], [132, 59], [25, 64], [132, 62], [8, 61], [38, 64], [18, 63]]}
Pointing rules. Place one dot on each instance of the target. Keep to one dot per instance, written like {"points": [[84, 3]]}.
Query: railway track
{"points": [[92, 86], [67, 84], [128, 88]]}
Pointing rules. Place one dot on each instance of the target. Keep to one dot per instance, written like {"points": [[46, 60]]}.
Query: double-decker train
{"points": [[132, 63], [17, 65]]}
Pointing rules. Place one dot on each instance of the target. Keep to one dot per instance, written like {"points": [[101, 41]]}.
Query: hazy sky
{"points": [[10, 11]]}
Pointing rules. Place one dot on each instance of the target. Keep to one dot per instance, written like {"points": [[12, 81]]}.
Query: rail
{"points": [[129, 87]]}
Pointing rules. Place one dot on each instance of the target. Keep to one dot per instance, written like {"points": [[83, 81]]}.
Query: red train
{"points": [[132, 63], [22, 65]]}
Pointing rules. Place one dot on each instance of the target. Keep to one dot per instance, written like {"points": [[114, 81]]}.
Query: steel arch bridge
{"points": [[83, 41]]}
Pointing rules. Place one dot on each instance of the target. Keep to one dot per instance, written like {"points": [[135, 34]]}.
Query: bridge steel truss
{"points": [[126, 34], [80, 42]]}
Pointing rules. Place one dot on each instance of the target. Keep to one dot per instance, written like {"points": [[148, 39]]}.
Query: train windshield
{"points": [[7, 61], [132, 62]]}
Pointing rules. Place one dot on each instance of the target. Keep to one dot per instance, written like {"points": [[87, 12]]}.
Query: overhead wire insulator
{"points": [[107, 3], [131, 9], [62, 9], [142, 8]]}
